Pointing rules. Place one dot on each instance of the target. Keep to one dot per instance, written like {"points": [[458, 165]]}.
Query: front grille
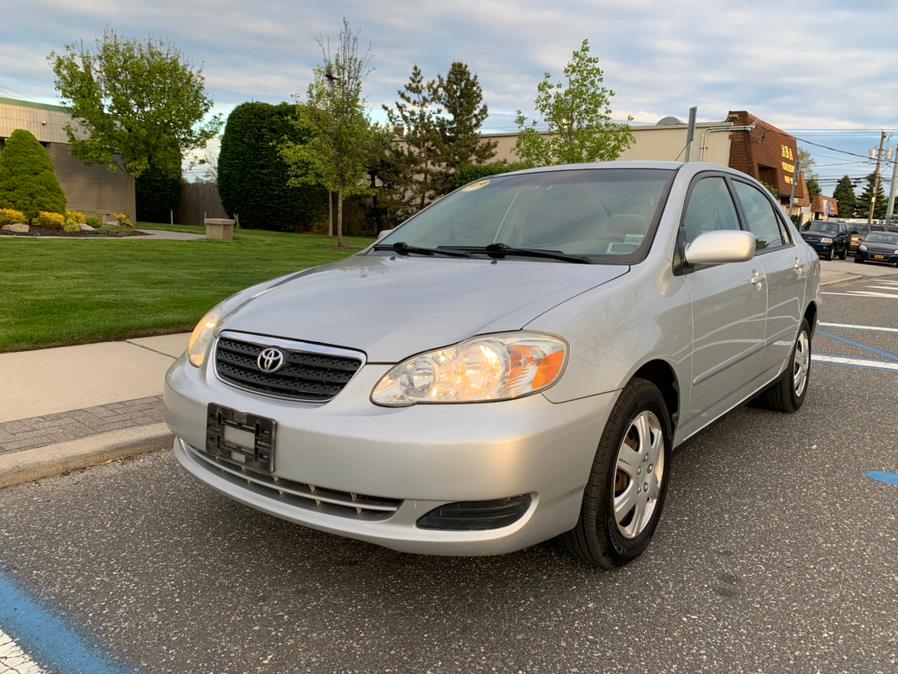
{"points": [[299, 494], [306, 374]]}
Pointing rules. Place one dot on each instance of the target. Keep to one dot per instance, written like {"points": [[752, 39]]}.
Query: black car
{"points": [[828, 238], [878, 247]]}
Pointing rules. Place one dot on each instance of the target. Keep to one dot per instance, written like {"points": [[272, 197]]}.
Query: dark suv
{"points": [[828, 237]]}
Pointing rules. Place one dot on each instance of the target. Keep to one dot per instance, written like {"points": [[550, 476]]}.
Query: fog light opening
{"points": [[477, 515]]}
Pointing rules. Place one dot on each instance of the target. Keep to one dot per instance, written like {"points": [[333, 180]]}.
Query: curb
{"points": [[40, 462], [848, 277]]}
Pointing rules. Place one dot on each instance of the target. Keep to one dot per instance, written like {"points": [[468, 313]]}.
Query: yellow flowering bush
{"points": [[124, 220], [77, 216], [9, 216], [49, 220]]}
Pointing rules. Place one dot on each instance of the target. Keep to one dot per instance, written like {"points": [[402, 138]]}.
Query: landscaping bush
{"points": [[252, 176], [124, 220], [472, 172], [27, 178], [77, 216], [10, 216], [157, 190], [49, 220], [94, 221], [71, 226]]}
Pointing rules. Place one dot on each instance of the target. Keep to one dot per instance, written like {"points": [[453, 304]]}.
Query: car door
{"points": [[729, 304], [784, 267]]}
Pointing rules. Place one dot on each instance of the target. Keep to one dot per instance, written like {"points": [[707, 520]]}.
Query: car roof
{"points": [[694, 166]]}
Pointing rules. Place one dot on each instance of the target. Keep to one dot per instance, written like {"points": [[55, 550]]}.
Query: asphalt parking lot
{"points": [[776, 552]]}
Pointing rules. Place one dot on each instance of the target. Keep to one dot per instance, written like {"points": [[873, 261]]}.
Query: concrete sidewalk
{"points": [[76, 406]]}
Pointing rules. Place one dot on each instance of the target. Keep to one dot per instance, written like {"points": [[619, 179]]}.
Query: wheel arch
{"points": [[810, 315], [662, 375]]}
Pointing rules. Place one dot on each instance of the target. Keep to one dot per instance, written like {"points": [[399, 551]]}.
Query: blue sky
{"points": [[823, 69]]}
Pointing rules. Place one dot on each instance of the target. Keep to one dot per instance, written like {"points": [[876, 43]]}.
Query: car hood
{"points": [[392, 307], [879, 247], [813, 235]]}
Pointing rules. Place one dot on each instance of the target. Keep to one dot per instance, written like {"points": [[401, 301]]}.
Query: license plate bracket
{"points": [[879, 257], [259, 457]]}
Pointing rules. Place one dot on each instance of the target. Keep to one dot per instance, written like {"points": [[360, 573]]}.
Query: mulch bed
{"points": [[41, 231]]}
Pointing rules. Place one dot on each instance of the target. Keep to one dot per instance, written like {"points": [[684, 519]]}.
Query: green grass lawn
{"points": [[57, 291]]}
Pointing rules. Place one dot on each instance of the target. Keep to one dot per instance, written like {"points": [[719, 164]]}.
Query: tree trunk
{"points": [[330, 213], [340, 218]]}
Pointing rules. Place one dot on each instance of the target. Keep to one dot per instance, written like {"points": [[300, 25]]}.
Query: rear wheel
{"points": [[624, 497], [844, 254], [790, 390]]}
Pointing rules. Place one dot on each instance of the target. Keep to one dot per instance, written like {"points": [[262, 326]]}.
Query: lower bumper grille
{"points": [[299, 494]]}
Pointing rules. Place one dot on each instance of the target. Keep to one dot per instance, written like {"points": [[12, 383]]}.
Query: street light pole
{"points": [[882, 142], [891, 208]]}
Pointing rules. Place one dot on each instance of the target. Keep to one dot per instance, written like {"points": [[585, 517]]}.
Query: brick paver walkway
{"points": [[47, 430]]}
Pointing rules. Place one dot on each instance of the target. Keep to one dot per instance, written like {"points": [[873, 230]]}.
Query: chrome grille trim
{"points": [[314, 373], [303, 495]]}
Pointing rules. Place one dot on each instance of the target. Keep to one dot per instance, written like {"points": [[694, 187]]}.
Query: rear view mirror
{"points": [[721, 246]]}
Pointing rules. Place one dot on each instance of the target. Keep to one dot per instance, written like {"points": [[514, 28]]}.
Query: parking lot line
{"points": [[14, 659], [859, 345], [892, 288], [863, 293], [851, 326], [853, 362], [883, 476]]}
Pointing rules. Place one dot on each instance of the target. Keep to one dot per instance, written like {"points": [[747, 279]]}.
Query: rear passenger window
{"points": [[710, 208], [759, 216]]}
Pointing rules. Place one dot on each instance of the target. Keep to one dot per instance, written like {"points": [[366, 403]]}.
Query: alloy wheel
{"points": [[638, 474], [801, 363]]}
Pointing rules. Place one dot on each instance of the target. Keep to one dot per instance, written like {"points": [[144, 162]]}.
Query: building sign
{"points": [[788, 166]]}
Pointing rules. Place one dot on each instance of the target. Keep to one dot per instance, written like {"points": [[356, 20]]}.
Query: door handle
{"points": [[757, 279], [800, 268]]}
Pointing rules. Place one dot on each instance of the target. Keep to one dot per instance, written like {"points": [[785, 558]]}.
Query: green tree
{"points": [[862, 206], [412, 173], [461, 98], [806, 164], [253, 178], [157, 190], [844, 195], [341, 140], [577, 112], [135, 103], [27, 177]]}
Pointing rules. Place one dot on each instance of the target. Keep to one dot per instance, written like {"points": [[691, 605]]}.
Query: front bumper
{"points": [[821, 248], [420, 457], [885, 258]]}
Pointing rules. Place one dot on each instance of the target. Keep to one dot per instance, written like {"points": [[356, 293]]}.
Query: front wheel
{"points": [[831, 255], [624, 496], [844, 254], [787, 394], [858, 259]]}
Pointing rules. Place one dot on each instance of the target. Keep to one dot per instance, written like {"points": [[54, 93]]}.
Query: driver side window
{"points": [[710, 208]]}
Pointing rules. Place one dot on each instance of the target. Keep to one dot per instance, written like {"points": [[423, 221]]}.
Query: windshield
{"points": [[882, 237], [608, 213], [825, 227]]}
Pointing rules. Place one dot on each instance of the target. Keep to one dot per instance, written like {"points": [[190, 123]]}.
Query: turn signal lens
{"points": [[202, 336], [491, 367]]}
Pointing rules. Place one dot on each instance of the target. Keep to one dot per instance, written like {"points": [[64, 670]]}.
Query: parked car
{"points": [[517, 361], [828, 237], [878, 247]]}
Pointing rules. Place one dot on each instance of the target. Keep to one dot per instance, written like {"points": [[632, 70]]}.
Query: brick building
{"points": [[92, 189]]}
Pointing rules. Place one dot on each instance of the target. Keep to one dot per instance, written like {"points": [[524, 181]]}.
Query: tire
{"points": [[831, 255], [785, 395], [600, 538], [844, 254], [858, 259]]}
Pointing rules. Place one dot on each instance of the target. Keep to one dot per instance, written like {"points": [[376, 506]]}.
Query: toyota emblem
{"points": [[271, 360]]}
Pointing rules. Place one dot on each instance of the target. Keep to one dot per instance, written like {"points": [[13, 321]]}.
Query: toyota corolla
{"points": [[515, 362]]}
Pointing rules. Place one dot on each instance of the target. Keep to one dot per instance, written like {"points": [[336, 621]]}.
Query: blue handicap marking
{"points": [[883, 476], [46, 637]]}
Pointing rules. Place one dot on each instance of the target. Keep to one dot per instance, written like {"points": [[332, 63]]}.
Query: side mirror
{"points": [[721, 246], [383, 233], [854, 231]]}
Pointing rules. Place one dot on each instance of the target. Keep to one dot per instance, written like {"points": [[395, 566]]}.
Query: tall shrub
{"points": [[253, 177], [27, 177], [157, 190]]}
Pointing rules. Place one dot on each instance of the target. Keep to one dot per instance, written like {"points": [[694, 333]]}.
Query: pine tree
{"points": [[844, 195], [411, 171], [28, 180], [460, 96], [862, 209]]}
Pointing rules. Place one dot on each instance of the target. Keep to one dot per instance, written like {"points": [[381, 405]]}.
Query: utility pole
{"points": [[891, 208], [796, 176], [882, 142], [690, 131]]}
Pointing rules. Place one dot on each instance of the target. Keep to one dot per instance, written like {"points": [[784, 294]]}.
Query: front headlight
{"points": [[826, 239], [202, 336], [490, 367], [862, 248]]}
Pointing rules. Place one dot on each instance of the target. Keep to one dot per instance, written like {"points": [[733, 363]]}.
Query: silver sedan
{"points": [[514, 363]]}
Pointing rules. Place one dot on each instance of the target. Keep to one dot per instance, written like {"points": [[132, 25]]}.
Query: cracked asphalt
{"points": [[775, 553]]}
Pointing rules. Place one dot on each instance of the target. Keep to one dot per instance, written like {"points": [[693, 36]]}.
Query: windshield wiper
{"points": [[403, 248], [500, 250]]}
